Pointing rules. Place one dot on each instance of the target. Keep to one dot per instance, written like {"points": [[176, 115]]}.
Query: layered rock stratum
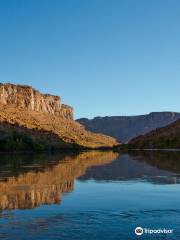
{"points": [[29, 98], [30, 120]]}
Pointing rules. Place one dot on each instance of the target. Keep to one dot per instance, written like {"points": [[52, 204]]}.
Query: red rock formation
{"points": [[28, 98], [43, 119]]}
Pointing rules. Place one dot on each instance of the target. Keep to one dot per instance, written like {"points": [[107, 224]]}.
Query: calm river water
{"points": [[91, 195]]}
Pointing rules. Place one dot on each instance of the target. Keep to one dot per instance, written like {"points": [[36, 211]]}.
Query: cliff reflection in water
{"points": [[29, 181], [157, 167]]}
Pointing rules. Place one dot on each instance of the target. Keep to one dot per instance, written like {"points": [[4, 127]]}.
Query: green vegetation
{"points": [[161, 142], [20, 141]]}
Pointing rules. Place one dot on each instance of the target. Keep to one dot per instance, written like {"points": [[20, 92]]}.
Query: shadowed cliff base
{"points": [[15, 138]]}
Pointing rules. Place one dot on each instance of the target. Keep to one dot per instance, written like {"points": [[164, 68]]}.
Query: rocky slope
{"points": [[166, 137], [125, 128], [30, 120]]}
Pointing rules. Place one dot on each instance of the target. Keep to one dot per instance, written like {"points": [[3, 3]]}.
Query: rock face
{"points": [[125, 128], [30, 99], [33, 121]]}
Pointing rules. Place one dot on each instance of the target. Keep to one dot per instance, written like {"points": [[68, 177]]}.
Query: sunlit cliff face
{"points": [[45, 184], [44, 120], [28, 98]]}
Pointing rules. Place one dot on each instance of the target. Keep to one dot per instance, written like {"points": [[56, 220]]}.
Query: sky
{"points": [[103, 57]]}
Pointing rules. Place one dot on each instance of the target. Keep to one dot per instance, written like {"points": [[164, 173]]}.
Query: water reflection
{"points": [[29, 181], [152, 166]]}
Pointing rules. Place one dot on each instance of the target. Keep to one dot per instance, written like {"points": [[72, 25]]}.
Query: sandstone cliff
{"points": [[125, 128], [28, 98], [30, 120]]}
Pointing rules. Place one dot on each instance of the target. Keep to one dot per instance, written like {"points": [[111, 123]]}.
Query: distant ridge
{"points": [[166, 137], [124, 128]]}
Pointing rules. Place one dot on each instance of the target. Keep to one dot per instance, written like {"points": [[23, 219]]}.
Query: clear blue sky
{"points": [[103, 57]]}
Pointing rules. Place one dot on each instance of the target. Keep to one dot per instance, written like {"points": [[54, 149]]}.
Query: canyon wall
{"points": [[41, 122], [28, 98], [124, 128]]}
